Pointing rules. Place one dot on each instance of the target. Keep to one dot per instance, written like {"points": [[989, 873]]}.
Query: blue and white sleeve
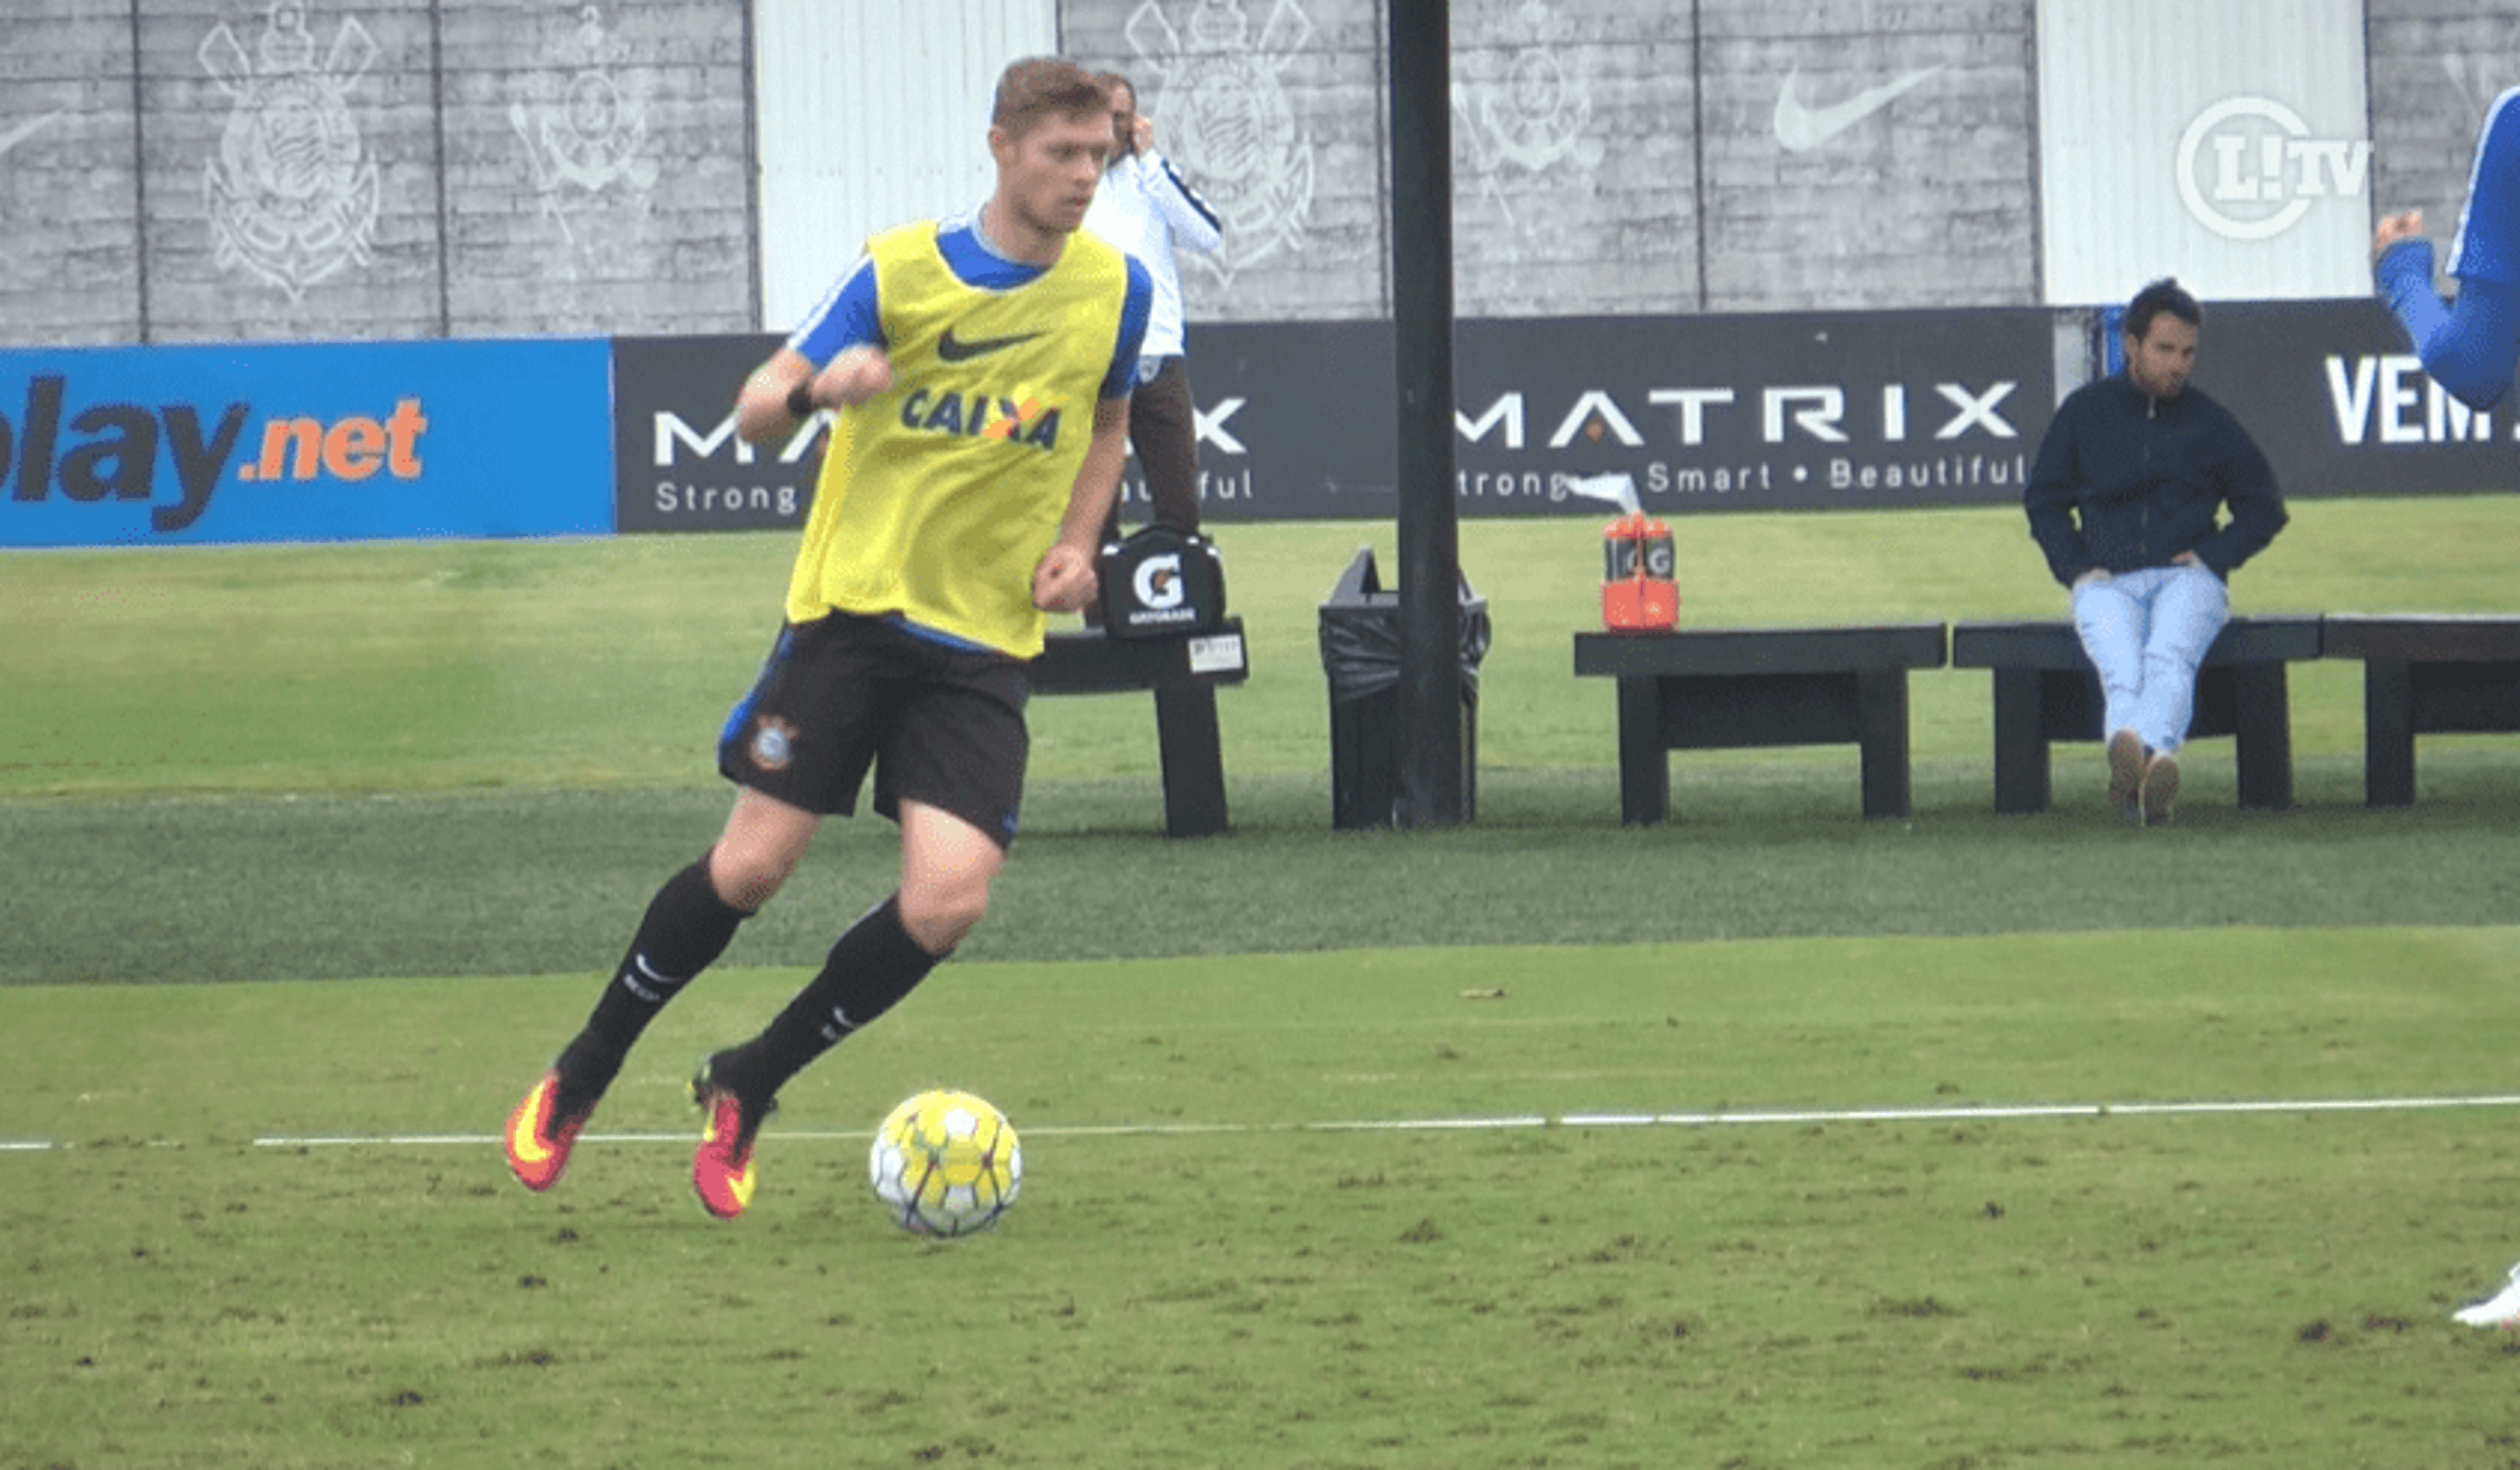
{"points": [[2472, 347], [1193, 223], [1121, 378], [848, 316], [2488, 245]]}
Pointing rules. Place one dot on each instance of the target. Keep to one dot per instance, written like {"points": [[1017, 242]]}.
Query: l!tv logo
{"points": [[112, 452], [2250, 167]]}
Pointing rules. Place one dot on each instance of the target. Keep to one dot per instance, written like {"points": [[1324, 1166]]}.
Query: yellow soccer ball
{"points": [[946, 1163]]}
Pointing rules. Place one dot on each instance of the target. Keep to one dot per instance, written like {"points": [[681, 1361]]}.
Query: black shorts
{"points": [[941, 724]]}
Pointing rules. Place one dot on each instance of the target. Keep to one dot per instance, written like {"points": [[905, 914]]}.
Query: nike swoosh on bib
{"points": [[1800, 128], [956, 350]]}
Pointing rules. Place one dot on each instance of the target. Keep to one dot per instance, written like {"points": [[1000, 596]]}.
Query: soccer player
{"points": [[2471, 348], [977, 371], [2501, 1309], [2126, 499]]}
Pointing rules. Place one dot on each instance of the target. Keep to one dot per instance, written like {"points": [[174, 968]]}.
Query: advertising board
{"points": [[1294, 420], [2331, 393], [304, 443]]}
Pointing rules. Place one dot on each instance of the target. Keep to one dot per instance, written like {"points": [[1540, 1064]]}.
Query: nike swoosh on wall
{"points": [[1801, 128], [24, 131]]}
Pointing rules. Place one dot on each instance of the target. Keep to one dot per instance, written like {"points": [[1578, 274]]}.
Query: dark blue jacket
{"points": [[2124, 481]]}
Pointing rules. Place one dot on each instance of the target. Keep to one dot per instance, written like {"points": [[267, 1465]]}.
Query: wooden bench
{"points": [[1183, 670], [2426, 675], [1729, 687], [2045, 691]]}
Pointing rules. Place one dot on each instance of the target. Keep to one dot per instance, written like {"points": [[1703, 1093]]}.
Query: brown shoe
{"points": [[2160, 787], [2126, 773]]}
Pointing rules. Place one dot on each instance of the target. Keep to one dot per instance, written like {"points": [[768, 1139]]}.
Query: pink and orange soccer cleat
{"points": [[722, 1167], [539, 1136]]}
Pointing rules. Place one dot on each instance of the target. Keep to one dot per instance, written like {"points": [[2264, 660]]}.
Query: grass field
{"points": [[1206, 1269], [1767, 1137]]}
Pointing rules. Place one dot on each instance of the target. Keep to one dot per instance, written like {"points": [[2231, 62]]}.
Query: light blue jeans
{"points": [[2146, 632]]}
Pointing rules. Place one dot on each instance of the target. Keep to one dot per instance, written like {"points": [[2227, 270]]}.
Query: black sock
{"points": [[868, 969], [685, 928]]}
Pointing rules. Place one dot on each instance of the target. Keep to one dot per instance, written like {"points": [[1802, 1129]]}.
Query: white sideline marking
{"points": [[1743, 1117], [1746, 1117]]}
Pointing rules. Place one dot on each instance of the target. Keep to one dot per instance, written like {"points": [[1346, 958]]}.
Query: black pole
{"points": [[1422, 309]]}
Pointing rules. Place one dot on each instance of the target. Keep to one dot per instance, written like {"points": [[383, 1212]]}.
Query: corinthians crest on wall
{"points": [[1220, 94], [584, 132], [1527, 119], [291, 191]]}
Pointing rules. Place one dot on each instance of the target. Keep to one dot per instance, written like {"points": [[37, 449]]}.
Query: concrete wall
{"points": [[185, 170], [1607, 156], [2435, 65], [191, 171], [68, 181]]}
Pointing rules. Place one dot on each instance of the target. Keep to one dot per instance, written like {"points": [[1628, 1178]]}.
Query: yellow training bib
{"points": [[938, 496]]}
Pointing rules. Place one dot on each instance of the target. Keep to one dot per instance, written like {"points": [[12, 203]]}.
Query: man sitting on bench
{"points": [[2124, 500]]}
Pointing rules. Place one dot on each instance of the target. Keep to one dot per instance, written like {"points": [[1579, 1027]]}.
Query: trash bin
{"points": [[1360, 654]]}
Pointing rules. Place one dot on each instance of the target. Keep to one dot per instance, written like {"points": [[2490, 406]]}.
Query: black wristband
{"points": [[800, 399]]}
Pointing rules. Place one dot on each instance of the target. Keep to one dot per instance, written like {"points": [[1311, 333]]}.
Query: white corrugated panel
{"points": [[873, 113], [2226, 144]]}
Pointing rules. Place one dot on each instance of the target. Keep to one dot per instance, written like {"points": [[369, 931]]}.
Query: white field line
{"points": [[1731, 1117], [1745, 1117]]}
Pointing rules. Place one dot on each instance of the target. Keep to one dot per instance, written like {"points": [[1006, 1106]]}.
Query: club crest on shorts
{"points": [[774, 744]]}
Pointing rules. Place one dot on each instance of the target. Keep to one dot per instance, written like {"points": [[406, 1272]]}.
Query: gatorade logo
{"points": [[115, 452], [1158, 582]]}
